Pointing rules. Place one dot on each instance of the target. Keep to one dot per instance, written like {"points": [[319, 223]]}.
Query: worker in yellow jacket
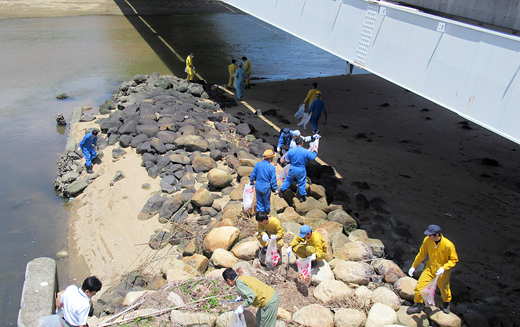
{"points": [[190, 70], [308, 243], [441, 258], [269, 227], [247, 68], [311, 95], [232, 68], [256, 293]]}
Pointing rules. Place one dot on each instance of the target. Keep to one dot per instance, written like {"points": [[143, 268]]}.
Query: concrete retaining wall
{"points": [[39, 289], [503, 13]]}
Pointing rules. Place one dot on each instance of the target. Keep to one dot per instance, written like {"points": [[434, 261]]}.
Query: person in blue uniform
{"points": [[240, 81], [286, 138], [315, 110], [264, 174], [87, 147], [298, 158]]}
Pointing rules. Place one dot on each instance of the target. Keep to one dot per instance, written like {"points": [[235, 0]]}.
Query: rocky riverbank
{"points": [[163, 209]]}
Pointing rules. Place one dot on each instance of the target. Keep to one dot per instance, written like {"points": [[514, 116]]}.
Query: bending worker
{"points": [[240, 81], [247, 68], [265, 176], [269, 228], [190, 70], [288, 137], [232, 68], [87, 145], [441, 258], [297, 157], [311, 95], [308, 243], [255, 293], [315, 110], [76, 301]]}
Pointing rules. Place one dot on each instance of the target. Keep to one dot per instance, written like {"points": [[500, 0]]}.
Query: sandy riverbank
{"points": [[414, 154]]}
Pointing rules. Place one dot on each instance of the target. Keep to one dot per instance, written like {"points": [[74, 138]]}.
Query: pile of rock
{"points": [[187, 142]]}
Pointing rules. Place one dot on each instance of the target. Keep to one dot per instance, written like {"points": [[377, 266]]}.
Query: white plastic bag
{"points": [[300, 112], [247, 196], [237, 320], [428, 292], [305, 120], [314, 145], [304, 270], [51, 321], [283, 173], [272, 256]]}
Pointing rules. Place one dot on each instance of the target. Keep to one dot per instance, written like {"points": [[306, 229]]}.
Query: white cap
{"points": [[296, 133]]}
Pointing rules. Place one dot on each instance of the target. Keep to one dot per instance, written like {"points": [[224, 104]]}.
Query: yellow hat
{"points": [[268, 153]]}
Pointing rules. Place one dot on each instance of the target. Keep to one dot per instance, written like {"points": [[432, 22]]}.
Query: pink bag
{"points": [[272, 256], [314, 145], [304, 270], [428, 292], [248, 195], [283, 173]]}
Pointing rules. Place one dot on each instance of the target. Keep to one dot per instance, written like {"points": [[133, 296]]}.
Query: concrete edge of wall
{"points": [[39, 291]]}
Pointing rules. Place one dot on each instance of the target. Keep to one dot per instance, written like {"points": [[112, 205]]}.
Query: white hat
{"points": [[296, 133]]}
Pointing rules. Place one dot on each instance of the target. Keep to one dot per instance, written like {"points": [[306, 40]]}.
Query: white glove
{"points": [[313, 257], [411, 271], [239, 310], [278, 149], [238, 299], [317, 136], [440, 271], [307, 138], [289, 250], [79, 149], [274, 237], [265, 238]]}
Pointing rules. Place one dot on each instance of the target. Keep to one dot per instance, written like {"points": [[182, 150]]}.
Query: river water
{"points": [[87, 57]]}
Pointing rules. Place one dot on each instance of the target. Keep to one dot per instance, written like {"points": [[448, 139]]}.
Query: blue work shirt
{"points": [[316, 108], [285, 139], [88, 140], [265, 175], [298, 157]]}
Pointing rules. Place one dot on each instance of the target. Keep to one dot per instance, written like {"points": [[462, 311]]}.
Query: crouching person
{"points": [[308, 243], [255, 293]]}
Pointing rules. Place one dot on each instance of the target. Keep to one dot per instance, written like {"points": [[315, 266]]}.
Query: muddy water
{"points": [[87, 58]]}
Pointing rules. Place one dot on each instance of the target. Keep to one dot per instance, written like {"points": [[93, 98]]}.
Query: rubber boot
{"points": [[446, 308], [415, 308], [89, 170]]}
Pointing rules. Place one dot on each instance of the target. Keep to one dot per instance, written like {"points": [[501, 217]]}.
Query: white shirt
{"points": [[76, 306]]}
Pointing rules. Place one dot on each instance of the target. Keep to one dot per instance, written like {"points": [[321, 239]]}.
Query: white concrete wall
{"points": [[504, 13], [469, 70]]}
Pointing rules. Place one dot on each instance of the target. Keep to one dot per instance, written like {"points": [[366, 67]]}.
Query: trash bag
{"points": [[304, 270], [305, 119], [428, 292], [51, 321], [237, 320], [247, 196], [314, 145], [300, 112], [283, 173], [272, 256]]}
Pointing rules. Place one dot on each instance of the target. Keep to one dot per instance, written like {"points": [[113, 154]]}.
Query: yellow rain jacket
{"points": [[315, 244], [274, 227], [189, 69], [311, 96]]}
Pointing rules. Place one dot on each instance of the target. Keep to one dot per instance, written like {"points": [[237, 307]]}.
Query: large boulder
{"points": [[167, 137], [314, 315], [445, 320], [169, 207], [197, 262], [221, 237], [377, 246], [354, 251], [386, 296], [380, 315], [321, 272], [358, 235], [337, 240], [151, 207], [405, 286], [223, 258], [279, 204], [353, 272], [388, 269], [342, 217], [349, 318], [331, 290], [317, 191], [179, 158], [309, 204], [363, 296], [192, 143], [318, 213], [219, 177], [192, 319], [131, 297], [413, 320], [203, 164], [289, 214], [246, 250], [202, 198], [158, 145]]}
